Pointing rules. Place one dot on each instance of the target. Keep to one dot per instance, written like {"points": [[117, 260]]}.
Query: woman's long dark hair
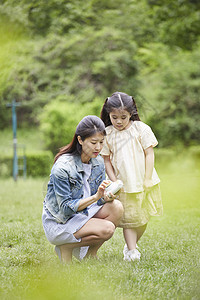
{"points": [[119, 100], [87, 127]]}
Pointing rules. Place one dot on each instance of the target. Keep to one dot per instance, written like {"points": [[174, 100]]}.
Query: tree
{"points": [[177, 119]]}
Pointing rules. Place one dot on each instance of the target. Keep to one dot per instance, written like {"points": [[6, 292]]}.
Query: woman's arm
{"points": [[99, 194], [149, 165], [109, 168], [87, 201], [63, 194]]}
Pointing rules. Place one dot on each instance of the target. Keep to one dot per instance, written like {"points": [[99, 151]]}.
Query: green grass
{"points": [[169, 266]]}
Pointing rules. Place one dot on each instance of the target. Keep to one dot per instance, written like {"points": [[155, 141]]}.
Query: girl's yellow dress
{"points": [[126, 151]]}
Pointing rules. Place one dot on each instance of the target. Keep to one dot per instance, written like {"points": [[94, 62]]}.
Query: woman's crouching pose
{"points": [[78, 216]]}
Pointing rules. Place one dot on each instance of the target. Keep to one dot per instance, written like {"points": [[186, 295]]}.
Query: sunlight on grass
{"points": [[169, 266]]}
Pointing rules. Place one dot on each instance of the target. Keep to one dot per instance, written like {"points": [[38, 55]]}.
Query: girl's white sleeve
{"points": [[148, 138], [105, 150]]}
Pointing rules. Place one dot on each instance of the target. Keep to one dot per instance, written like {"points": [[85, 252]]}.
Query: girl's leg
{"points": [[140, 231], [132, 235]]}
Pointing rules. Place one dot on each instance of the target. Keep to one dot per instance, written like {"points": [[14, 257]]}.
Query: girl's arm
{"points": [[99, 194], [109, 168], [149, 165]]}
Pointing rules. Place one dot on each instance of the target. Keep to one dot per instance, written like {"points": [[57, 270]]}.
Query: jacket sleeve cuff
{"points": [[101, 201], [73, 205]]}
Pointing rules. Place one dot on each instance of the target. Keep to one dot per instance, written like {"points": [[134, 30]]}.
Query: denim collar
{"points": [[79, 164]]}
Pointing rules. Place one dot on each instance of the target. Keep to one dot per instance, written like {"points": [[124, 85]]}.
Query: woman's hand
{"points": [[101, 189], [101, 192], [109, 198]]}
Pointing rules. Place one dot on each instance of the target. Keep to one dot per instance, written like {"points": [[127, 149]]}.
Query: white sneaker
{"points": [[126, 252], [134, 255]]}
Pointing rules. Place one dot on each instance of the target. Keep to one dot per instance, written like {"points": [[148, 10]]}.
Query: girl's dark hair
{"points": [[87, 127], [119, 100]]}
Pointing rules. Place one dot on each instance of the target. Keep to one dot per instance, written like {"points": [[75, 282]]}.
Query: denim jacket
{"points": [[65, 187]]}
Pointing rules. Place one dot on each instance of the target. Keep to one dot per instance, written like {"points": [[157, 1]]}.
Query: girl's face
{"points": [[120, 118], [91, 146]]}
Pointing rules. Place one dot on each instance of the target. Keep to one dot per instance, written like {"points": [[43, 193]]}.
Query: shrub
{"points": [[195, 152], [6, 166], [60, 118], [38, 164], [176, 120]]}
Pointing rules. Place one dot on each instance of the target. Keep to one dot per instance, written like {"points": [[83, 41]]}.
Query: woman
{"points": [[78, 216]]}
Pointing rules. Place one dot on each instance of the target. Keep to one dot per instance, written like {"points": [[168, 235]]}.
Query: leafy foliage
{"points": [[59, 121], [177, 22], [74, 66], [83, 50], [177, 119], [38, 164]]}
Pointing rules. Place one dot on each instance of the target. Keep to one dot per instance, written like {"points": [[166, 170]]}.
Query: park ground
{"points": [[169, 266]]}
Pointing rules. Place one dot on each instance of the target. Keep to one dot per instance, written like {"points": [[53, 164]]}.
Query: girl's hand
{"points": [[148, 184]]}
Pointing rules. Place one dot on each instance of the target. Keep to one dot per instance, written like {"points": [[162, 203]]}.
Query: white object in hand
{"points": [[114, 187]]}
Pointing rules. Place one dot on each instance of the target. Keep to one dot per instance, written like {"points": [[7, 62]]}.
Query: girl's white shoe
{"points": [[125, 252], [134, 255], [131, 255]]}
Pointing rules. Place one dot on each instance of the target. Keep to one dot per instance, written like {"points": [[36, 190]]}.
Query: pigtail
{"points": [[134, 115], [105, 115]]}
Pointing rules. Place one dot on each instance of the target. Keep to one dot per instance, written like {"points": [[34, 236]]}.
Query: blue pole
{"points": [[14, 125]]}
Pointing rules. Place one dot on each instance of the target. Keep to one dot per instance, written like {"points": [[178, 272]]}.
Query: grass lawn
{"points": [[169, 266]]}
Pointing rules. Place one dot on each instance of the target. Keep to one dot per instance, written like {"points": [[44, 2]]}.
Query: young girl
{"points": [[129, 156]]}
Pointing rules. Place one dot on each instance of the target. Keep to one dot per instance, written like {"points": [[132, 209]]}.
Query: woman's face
{"points": [[91, 146]]}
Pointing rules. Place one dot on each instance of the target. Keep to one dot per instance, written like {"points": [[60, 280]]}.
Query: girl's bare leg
{"points": [[132, 235], [140, 231]]}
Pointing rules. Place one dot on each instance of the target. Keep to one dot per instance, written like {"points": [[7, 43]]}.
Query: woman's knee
{"points": [[107, 230], [117, 208]]}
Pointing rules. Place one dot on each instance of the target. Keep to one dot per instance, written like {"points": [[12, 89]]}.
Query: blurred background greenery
{"points": [[61, 59]]}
